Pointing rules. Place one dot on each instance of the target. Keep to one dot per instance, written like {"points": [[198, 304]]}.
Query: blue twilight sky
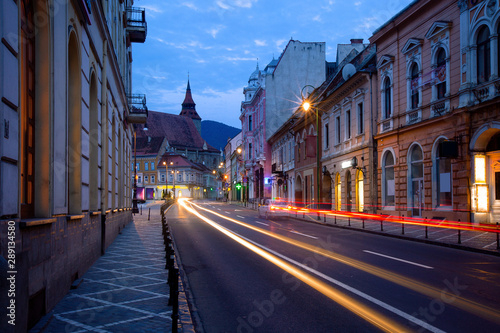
{"points": [[219, 42]]}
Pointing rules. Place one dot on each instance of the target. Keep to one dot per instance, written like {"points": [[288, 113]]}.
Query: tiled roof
{"points": [[148, 145], [180, 131], [180, 161]]}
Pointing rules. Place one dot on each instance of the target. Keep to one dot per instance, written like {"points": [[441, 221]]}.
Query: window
{"points": [[146, 164], [146, 178], [441, 74], [152, 166], [414, 86], [361, 119], [338, 193], [137, 166], [326, 136], [152, 179], [387, 99], [162, 177], [27, 110], [388, 190], [443, 181], [360, 193], [289, 151], [337, 130], [250, 123], [139, 179], [348, 124], [298, 150], [179, 177], [249, 151], [416, 177], [483, 55]]}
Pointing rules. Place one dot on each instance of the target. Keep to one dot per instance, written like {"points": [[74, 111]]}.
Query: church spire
{"points": [[189, 108]]}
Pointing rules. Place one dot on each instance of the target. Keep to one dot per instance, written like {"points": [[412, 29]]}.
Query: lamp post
{"points": [[306, 105], [166, 178], [135, 209]]}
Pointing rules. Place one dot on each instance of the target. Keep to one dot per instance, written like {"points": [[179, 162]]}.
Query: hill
{"points": [[216, 134]]}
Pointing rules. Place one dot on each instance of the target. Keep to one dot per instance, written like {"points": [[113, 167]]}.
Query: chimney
{"points": [[357, 41]]}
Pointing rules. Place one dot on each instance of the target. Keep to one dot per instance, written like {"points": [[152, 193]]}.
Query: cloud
{"points": [[231, 4], [244, 3], [317, 18], [280, 44], [238, 59], [190, 5], [259, 42], [215, 30], [223, 5], [152, 8]]}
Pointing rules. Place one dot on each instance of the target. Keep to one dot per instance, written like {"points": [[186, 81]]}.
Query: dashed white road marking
{"points": [[398, 259]]}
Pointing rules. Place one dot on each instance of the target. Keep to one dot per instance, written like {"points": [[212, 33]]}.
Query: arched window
{"points": [[441, 73], [360, 195], [338, 193], [483, 55], [414, 86], [388, 189], [348, 188], [387, 99], [416, 177]]}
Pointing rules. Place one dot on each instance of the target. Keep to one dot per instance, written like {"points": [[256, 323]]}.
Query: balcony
{"points": [[138, 111], [137, 27]]}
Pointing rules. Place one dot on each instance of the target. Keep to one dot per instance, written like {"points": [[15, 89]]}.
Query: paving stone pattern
{"points": [[124, 291]]}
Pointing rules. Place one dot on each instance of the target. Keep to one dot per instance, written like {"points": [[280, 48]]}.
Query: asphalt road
{"points": [[249, 274]]}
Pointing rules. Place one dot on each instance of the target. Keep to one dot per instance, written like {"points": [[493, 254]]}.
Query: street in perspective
{"points": [[249, 166]]}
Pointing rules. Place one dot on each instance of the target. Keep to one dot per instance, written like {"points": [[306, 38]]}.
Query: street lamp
{"points": [[306, 105], [166, 179]]}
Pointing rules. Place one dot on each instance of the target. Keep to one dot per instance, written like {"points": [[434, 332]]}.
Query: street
{"points": [[249, 274]]}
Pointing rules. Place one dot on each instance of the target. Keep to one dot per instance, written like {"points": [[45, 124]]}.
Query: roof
{"points": [[189, 106], [148, 145], [180, 161], [180, 131], [392, 19]]}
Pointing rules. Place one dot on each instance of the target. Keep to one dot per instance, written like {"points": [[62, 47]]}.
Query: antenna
{"points": [[348, 71]]}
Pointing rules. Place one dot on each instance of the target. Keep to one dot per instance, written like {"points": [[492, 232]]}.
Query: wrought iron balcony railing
{"points": [[137, 27], [138, 111]]}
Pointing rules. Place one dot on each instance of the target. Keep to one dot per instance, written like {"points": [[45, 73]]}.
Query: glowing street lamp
{"points": [[306, 105]]}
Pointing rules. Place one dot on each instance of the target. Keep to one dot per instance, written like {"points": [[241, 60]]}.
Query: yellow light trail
{"points": [[374, 317], [459, 302]]}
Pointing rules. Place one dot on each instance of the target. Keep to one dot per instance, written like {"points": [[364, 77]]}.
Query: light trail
{"points": [[422, 288], [374, 317]]}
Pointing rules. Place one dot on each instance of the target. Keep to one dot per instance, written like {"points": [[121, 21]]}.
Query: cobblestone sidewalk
{"points": [[124, 291]]}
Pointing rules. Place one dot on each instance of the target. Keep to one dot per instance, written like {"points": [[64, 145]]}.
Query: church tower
{"points": [[189, 108]]}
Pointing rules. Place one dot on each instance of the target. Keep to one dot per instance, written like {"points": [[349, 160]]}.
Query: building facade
{"points": [[253, 121], [438, 118], [66, 145], [348, 153]]}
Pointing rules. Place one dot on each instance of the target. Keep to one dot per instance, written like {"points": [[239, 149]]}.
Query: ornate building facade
{"points": [[66, 146]]}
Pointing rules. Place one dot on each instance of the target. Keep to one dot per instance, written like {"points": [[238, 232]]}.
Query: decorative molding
{"points": [[412, 44], [437, 28], [385, 60]]}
